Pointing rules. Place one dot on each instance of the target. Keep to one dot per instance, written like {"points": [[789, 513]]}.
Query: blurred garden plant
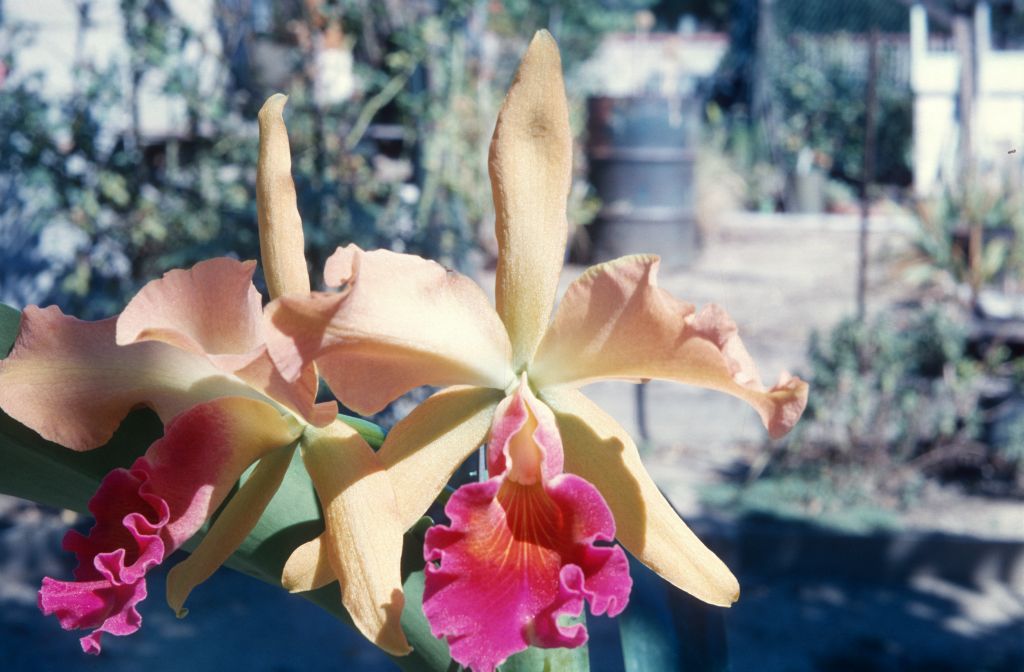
{"points": [[94, 203], [940, 256], [898, 400], [522, 543], [235, 385]]}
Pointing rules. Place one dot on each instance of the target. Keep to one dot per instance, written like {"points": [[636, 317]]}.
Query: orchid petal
{"points": [[531, 170], [204, 452], [524, 438], [145, 513], [229, 530], [213, 310], [281, 241], [520, 551], [298, 395], [69, 381], [599, 449], [615, 322], [309, 567], [425, 448], [363, 531], [404, 322], [102, 606]]}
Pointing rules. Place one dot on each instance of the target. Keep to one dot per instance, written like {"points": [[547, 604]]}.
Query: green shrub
{"points": [[899, 399]]}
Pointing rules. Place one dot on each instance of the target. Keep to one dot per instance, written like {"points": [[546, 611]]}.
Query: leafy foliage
{"points": [[903, 398], [822, 104], [940, 248], [92, 206]]}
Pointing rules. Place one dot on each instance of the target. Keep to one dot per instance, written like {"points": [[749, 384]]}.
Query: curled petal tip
{"points": [[615, 322], [791, 395], [273, 107], [543, 40], [308, 567]]}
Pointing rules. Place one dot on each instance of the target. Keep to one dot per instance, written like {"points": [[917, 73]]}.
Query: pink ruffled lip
{"points": [[523, 549], [110, 580], [145, 513]]}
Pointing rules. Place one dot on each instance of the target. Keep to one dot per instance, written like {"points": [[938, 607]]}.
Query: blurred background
{"points": [[845, 178]]}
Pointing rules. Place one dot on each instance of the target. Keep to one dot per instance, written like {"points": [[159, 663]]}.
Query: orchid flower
{"points": [[192, 346], [531, 543]]}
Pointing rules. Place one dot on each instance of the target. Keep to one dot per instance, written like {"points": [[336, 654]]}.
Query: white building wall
{"points": [[998, 109]]}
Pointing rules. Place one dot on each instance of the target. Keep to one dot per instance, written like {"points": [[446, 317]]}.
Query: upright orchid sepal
{"points": [[522, 549]]}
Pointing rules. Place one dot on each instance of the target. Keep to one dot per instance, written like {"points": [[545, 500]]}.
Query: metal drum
{"points": [[641, 155]]}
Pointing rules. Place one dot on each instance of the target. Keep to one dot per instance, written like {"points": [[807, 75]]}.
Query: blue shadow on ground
{"points": [[813, 600]]}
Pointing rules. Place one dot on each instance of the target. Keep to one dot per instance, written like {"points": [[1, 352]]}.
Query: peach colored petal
{"points": [[299, 395], [309, 566], [402, 322], [531, 170], [213, 310], [281, 241], [425, 448], [600, 451], [363, 531], [615, 322], [69, 381], [229, 530]]}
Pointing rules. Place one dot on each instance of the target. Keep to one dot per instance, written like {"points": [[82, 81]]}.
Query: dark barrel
{"points": [[641, 153]]}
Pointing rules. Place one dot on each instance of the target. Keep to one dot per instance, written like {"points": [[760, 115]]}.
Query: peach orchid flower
{"points": [[520, 549], [192, 346]]}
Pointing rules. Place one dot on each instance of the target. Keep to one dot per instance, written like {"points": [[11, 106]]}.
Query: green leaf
{"points": [[551, 660], [36, 469], [371, 433], [10, 320], [666, 629]]}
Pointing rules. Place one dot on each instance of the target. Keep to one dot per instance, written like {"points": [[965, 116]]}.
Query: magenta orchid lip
{"points": [[521, 551]]}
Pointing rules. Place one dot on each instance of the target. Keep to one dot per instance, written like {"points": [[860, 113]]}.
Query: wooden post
{"points": [[867, 174], [963, 38]]}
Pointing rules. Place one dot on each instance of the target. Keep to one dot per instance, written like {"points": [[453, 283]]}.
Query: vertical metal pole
{"points": [[481, 464], [641, 412], [963, 37]]}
